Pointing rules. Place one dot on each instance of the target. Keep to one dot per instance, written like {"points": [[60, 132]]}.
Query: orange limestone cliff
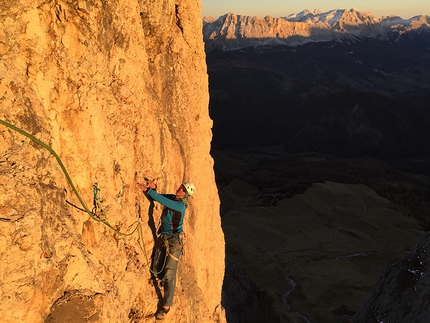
{"points": [[95, 96]]}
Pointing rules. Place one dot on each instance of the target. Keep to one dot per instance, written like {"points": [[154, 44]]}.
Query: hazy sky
{"points": [[280, 8]]}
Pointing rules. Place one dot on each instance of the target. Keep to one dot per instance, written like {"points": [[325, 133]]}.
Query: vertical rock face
{"points": [[119, 91]]}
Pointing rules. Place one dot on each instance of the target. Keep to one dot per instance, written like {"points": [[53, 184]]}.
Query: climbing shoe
{"points": [[161, 313]]}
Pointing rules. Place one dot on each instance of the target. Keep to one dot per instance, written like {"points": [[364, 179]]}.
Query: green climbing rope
{"points": [[85, 208], [96, 199], [142, 245]]}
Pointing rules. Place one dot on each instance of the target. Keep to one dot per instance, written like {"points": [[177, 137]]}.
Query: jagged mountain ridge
{"points": [[232, 31]]}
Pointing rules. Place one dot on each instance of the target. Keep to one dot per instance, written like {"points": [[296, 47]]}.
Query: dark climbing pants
{"points": [[175, 250]]}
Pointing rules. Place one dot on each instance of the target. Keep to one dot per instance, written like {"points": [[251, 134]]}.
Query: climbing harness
{"points": [[97, 212], [162, 252], [179, 246]]}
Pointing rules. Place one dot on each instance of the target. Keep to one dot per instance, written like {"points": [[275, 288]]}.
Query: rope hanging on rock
{"points": [[142, 244], [84, 206], [96, 200]]}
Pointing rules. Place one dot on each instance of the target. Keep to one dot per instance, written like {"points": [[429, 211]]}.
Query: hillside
{"points": [[312, 234]]}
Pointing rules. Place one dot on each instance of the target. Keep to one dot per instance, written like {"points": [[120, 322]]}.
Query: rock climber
{"points": [[171, 231]]}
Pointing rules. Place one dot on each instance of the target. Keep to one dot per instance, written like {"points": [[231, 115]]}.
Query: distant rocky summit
{"points": [[232, 31]]}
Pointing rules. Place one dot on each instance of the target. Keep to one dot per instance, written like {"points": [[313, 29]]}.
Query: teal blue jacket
{"points": [[173, 214]]}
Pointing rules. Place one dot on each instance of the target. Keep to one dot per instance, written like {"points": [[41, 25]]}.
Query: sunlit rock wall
{"points": [[119, 90]]}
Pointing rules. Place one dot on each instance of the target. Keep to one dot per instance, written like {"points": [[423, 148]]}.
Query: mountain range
{"points": [[339, 93], [338, 99], [232, 31]]}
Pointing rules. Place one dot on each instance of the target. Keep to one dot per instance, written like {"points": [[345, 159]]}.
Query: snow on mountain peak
{"points": [[232, 31], [331, 17], [300, 15]]}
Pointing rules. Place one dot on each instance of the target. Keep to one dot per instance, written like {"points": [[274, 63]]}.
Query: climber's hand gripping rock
{"points": [[149, 184]]}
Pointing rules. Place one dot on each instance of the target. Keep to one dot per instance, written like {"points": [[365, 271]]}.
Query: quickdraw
{"points": [[97, 198], [84, 206]]}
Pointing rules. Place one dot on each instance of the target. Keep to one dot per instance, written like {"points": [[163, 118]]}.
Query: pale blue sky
{"points": [[280, 8]]}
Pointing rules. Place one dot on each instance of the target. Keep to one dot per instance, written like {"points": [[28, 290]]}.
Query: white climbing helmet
{"points": [[190, 188]]}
